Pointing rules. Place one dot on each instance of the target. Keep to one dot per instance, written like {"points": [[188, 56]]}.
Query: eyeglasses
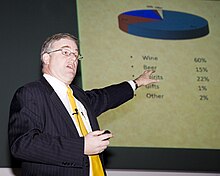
{"points": [[67, 52]]}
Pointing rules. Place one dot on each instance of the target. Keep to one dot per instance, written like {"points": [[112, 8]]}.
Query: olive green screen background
{"points": [[182, 111]]}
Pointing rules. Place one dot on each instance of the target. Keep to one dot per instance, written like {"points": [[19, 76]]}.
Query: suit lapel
{"points": [[59, 106]]}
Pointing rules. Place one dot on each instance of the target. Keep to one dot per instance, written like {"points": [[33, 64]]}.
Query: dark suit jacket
{"points": [[43, 135]]}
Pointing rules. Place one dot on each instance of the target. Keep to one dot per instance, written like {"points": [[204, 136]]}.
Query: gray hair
{"points": [[50, 40]]}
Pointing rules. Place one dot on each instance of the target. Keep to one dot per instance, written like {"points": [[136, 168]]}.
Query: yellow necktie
{"points": [[97, 169]]}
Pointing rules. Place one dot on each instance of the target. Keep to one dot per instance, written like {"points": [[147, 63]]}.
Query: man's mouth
{"points": [[70, 66]]}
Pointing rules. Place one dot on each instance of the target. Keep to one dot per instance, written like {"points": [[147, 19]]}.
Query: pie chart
{"points": [[170, 25]]}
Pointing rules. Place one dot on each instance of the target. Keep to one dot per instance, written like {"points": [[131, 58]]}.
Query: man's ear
{"points": [[46, 58]]}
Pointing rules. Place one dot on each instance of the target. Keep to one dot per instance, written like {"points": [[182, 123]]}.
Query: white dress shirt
{"points": [[61, 89]]}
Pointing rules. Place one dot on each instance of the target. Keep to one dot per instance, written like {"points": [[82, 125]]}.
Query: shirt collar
{"points": [[58, 86]]}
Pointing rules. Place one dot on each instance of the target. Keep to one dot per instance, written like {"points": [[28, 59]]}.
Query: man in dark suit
{"points": [[46, 129]]}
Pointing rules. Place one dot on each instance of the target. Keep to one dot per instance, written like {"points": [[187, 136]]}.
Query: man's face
{"points": [[59, 65]]}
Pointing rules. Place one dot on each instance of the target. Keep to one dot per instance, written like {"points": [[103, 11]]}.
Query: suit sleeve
{"points": [[109, 97], [29, 142]]}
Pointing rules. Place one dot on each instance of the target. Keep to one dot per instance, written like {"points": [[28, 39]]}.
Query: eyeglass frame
{"points": [[78, 57]]}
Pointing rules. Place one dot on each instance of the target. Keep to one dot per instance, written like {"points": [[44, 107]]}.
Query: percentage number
{"points": [[200, 60], [204, 97], [202, 88], [202, 79], [201, 69]]}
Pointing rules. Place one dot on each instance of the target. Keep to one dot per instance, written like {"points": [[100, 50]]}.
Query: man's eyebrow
{"points": [[66, 46]]}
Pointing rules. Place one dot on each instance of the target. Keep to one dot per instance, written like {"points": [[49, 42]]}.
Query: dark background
{"points": [[25, 25]]}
